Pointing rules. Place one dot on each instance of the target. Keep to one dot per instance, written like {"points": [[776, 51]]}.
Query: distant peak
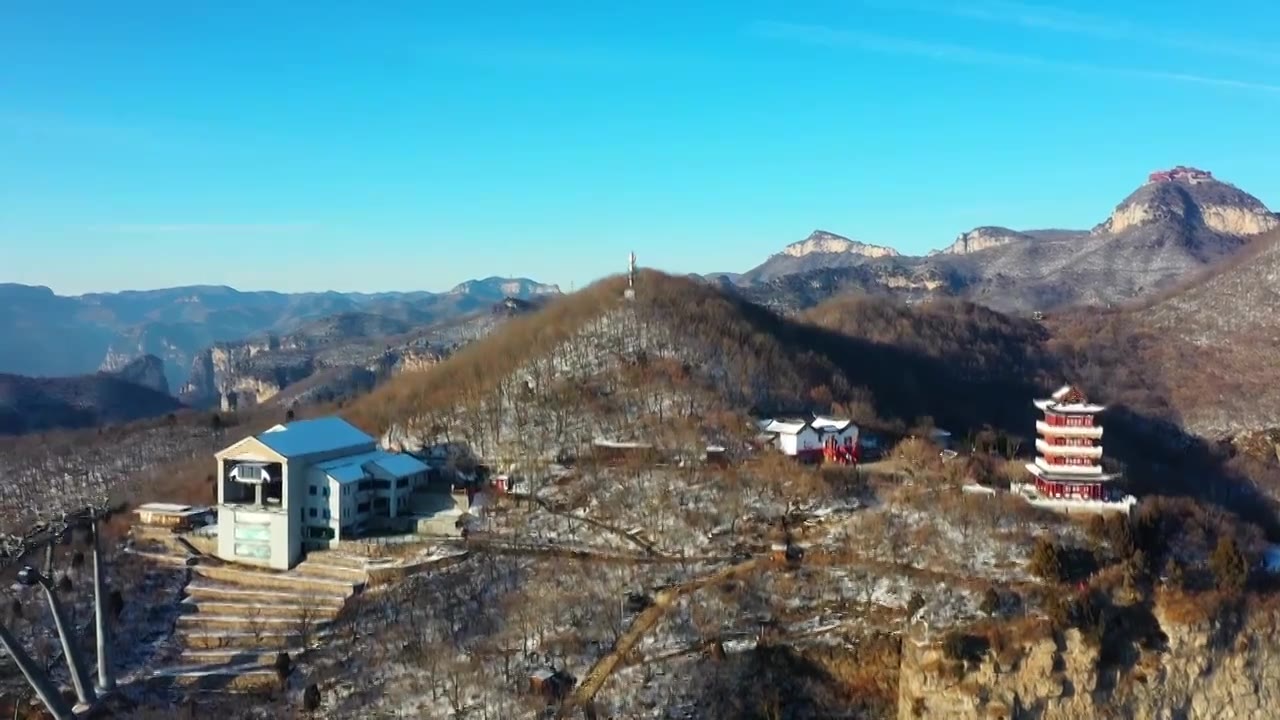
{"points": [[981, 238], [822, 241], [1180, 173], [1190, 197], [511, 287]]}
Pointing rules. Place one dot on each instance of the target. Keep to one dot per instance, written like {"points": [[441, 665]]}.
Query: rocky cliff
{"points": [[982, 238], [147, 371], [1160, 235], [1205, 670], [1209, 204], [821, 249], [333, 358]]}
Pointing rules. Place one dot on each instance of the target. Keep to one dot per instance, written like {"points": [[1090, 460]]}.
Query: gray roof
{"points": [[308, 437]]}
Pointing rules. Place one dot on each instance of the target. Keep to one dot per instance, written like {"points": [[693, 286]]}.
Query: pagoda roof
{"points": [[1081, 407], [1066, 478]]}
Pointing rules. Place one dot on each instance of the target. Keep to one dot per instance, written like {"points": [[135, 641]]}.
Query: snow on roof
{"points": [[1052, 406], [1079, 408], [786, 427], [170, 508], [1061, 392], [308, 437], [830, 424], [400, 465], [601, 442]]}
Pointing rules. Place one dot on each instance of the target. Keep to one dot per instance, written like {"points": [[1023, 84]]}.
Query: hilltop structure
{"points": [[1181, 173], [1068, 466], [307, 484]]}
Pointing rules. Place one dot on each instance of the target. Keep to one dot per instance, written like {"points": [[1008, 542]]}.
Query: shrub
{"points": [[1229, 566], [1046, 561], [914, 604], [990, 602], [963, 647], [1174, 575]]}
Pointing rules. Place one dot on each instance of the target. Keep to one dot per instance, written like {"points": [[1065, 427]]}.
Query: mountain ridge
{"points": [[1161, 233], [50, 335], [820, 249]]}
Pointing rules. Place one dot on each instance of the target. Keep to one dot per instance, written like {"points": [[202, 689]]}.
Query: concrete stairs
{"points": [[235, 619]]}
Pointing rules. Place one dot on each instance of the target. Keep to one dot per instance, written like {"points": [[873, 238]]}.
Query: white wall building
{"points": [[794, 437], [304, 485], [844, 432], [806, 438]]}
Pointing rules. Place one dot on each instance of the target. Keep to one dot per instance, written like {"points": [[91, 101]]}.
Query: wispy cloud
{"points": [[962, 54], [1071, 22], [205, 228]]}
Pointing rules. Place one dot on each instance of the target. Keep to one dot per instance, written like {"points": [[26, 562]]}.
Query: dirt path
{"points": [[647, 547], [643, 623]]}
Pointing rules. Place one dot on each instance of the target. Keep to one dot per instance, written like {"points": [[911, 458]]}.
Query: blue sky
{"points": [[412, 145]]}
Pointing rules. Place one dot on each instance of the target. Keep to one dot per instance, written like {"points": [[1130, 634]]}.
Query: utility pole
{"points": [[75, 663], [106, 681], [36, 677]]}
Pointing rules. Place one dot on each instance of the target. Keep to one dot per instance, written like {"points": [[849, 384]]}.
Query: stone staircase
{"points": [[235, 619]]}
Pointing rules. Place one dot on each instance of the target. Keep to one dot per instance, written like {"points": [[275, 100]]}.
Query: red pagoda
{"points": [[1068, 464]]}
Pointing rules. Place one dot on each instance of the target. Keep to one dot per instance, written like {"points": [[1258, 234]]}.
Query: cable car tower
{"points": [[630, 292]]}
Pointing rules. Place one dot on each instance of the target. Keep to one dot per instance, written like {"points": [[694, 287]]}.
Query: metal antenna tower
{"points": [[630, 292]]}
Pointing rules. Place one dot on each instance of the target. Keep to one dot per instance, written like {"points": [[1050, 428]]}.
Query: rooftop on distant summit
{"points": [[1181, 172]]}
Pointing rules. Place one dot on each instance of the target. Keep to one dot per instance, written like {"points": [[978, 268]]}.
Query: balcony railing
{"points": [[1082, 470], [1044, 428], [1085, 451]]}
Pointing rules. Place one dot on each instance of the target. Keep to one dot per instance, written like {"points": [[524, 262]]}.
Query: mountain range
{"points": [[1166, 230], [219, 347], [44, 334]]}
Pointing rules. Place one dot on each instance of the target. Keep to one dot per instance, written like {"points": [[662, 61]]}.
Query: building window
{"points": [[326, 514], [312, 512], [362, 507], [326, 491], [402, 483], [311, 490]]}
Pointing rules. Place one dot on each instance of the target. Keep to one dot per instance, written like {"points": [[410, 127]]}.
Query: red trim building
{"points": [[1068, 462]]}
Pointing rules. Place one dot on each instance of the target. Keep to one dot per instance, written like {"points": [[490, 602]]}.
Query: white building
{"points": [[796, 438], [842, 431], [304, 485], [807, 438]]}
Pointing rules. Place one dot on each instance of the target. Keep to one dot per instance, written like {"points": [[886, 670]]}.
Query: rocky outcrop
{"points": [[1190, 206], [1199, 671], [523, 288], [1231, 220], [983, 238], [147, 371], [821, 250], [823, 242], [330, 360]]}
